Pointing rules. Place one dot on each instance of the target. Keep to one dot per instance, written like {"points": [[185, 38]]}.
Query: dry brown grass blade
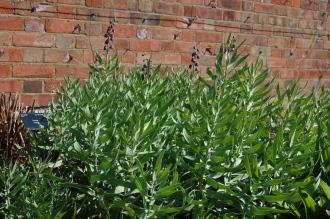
{"points": [[13, 134]]}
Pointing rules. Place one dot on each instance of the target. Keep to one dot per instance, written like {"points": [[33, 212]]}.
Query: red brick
{"points": [[144, 45], [276, 62], [82, 72], [168, 8], [172, 59], [33, 70], [128, 57], [96, 42], [145, 5], [167, 46], [51, 86], [6, 7], [121, 44], [94, 3], [162, 34], [186, 59], [65, 42], [44, 99], [64, 56], [82, 42], [206, 60], [27, 100], [211, 37], [189, 36], [34, 25], [209, 13], [115, 4], [263, 8], [89, 57], [94, 29], [157, 58], [64, 70], [33, 39], [230, 4], [33, 55], [11, 23], [11, 54], [185, 47], [125, 31], [296, 3], [5, 39], [62, 26], [5, 70], [71, 2], [10, 86], [66, 12]]}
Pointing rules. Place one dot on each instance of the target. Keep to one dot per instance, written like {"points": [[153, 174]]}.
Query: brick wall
{"points": [[43, 41]]}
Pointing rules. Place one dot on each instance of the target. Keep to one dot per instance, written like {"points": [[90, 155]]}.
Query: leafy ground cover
{"points": [[147, 145]]}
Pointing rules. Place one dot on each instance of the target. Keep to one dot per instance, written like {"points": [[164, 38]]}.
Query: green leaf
{"points": [[326, 189], [262, 211]]}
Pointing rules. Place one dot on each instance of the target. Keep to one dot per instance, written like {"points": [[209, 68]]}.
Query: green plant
{"points": [[143, 145]]}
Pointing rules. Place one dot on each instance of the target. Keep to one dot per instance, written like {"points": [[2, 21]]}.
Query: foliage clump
{"points": [[181, 146]]}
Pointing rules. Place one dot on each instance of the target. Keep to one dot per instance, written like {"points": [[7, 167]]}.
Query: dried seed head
{"points": [[109, 35], [194, 59]]}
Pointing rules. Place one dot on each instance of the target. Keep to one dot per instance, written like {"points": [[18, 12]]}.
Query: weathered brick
{"points": [[5, 39], [146, 5], [33, 55], [276, 62], [94, 29], [172, 59], [33, 39], [34, 25], [82, 42], [33, 70], [63, 26], [65, 42], [162, 34], [64, 56], [115, 4]]}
